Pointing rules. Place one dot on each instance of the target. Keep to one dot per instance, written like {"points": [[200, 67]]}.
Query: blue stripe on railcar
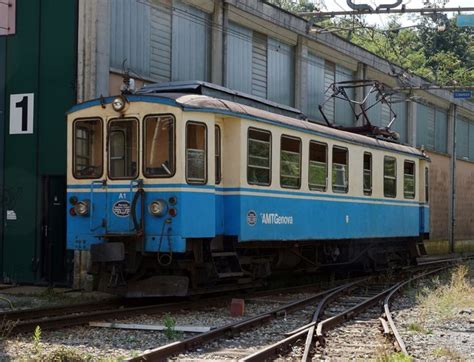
{"points": [[263, 215]]}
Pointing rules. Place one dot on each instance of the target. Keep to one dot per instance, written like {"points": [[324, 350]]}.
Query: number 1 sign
{"points": [[21, 113]]}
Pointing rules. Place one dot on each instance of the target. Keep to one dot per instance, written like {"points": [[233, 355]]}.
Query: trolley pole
{"points": [[452, 208]]}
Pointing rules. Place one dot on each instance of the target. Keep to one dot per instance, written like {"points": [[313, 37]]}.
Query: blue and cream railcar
{"points": [[174, 193]]}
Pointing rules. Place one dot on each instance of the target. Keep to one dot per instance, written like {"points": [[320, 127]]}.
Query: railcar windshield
{"points": [[159, 146], [123, 148], [88, 149]]}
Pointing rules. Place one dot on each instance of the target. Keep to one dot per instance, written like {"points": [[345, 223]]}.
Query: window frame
{"points": [[368, 192], [206, 147], [414, 179], [427, 184], [332, 168], [217, 165], [144, 144], [270, 169], [101, 122], [109, 122], [326, 163], [300, 161], [395, 177]]}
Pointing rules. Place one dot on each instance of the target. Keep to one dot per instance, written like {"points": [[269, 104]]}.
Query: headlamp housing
{"points": [[158, 208], [82, 207], [119, 104]]}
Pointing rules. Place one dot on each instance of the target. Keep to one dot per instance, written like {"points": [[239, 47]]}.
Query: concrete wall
{"points": [[464, 225], [439, 196]]}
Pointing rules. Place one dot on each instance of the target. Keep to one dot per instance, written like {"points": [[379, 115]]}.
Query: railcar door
{"points": [[122, 151]]}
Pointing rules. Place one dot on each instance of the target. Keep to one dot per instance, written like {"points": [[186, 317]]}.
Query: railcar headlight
{"points": [[119, 104], [158, 208], [82, 208]]}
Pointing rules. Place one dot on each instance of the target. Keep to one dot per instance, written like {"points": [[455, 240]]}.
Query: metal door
{"points": [[55, 261]]}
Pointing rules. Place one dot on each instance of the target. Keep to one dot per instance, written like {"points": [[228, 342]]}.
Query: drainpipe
{"points": [[452, 191]]}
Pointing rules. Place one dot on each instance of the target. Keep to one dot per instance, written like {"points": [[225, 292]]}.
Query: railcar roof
{"points": [[196, 102], [225, 106]]}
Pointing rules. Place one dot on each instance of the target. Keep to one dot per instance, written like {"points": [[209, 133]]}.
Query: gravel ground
{"points": [[430, 337]]}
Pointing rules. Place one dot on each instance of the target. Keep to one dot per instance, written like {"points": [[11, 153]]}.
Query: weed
{"points": [[64, 354], [395, 357], [6, 327], [416, 327], [37, 339], [170, 324], [445, 300], [446, 352]]}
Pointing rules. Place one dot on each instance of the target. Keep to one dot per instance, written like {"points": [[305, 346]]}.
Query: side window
{"points": [[123, 149], [159, 159], [196, 153], [290, 162], [259, 156], [390, 177], [409, 180], [367, 173], [318, 166], [218, 155], [427, 185], [88, 149], [340, 169]]}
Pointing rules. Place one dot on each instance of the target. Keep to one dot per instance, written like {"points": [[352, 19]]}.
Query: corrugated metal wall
{"points": [[239, 58], [425, 126], [160, 43], [259, 65], [329, 78], [281, 65], [400, 125], [343, 110], [190, 43], [316, 89], [441, 131], [130, 36], [462, 138], [471, 141]]}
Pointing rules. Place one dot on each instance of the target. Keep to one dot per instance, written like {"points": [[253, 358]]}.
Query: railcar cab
{"points": [[141, 183]]}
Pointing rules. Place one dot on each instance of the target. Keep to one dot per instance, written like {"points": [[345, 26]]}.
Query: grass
{"points": [[446, 300], [395, 357], [449, 354]]}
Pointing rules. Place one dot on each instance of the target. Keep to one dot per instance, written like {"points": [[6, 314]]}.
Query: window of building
{"points": [[123, 149], [367, 173], [290, 162], [318, 166], [259, 150], [159, 157], [196, 153], [88, 149], [390, 177], [409, 179], [427, 184], [340, 169], [218, 157]]}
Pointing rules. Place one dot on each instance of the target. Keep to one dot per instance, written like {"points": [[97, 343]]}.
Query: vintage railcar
{"points": [[176, 192]]}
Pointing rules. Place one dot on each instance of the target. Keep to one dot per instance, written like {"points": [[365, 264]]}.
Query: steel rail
{"points": [[388, 315], [272, 350], [164, 352]]}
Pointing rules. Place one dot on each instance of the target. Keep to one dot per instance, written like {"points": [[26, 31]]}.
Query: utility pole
{"points": [[452, 201]]}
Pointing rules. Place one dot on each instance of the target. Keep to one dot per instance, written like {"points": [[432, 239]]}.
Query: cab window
{"points": [[259, 151], [88, 149], [159, 157], [340, 169], [196, 153], [123, 149], [409, 180], [390, 177], [318, 166]]}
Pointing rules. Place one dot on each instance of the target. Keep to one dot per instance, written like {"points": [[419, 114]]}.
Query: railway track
{"points": [[323, 335]]}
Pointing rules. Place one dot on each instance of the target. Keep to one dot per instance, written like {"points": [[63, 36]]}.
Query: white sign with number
{"points": [[21, 113]]}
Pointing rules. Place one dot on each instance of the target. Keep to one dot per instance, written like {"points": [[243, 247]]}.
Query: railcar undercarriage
{"points": [[120, 267]]}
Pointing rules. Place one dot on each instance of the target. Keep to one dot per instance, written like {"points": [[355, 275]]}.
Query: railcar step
{"points": [[227, 264]]}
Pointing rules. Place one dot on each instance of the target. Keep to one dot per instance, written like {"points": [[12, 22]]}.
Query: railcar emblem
{"points": [[121, 208], [251, 218]]}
